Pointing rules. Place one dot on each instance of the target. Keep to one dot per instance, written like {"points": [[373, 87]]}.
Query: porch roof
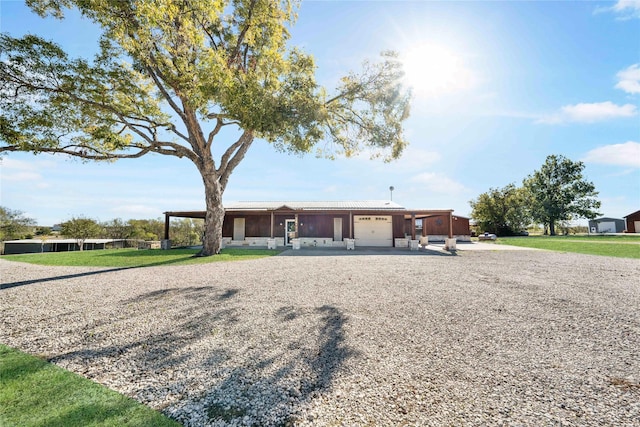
{"points": [[315, 205]]}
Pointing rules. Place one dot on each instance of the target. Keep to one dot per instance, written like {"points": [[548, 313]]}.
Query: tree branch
{"points": [[229, 160]]}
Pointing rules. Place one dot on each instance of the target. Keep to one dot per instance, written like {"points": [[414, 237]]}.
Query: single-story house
{"points": [[330, 224], [633, 222], [606, 225], [30, 246]]}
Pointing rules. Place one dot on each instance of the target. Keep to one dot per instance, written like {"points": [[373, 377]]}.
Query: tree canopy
{"points": [[81, 229], [171, 75], [553, 195], [503, 211], [559, 192], [14, 225]]}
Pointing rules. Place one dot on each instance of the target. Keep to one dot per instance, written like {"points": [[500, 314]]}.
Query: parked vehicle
{"points": [[487, 236]]}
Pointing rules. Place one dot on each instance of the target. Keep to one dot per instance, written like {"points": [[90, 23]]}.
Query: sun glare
{"points": [[433, 70]]}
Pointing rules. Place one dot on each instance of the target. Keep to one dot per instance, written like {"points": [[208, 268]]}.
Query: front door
{"points": [[289, 231], [337, 229], [238, 229]]}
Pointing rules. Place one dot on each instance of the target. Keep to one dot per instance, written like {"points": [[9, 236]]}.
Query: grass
{"points": [[137, 258], [36, 393], [613, 246]]}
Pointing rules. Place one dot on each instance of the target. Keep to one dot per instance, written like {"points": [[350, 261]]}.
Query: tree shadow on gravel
{"points": [[88, 273], [267, 392], [63, 277], [214, 363]]}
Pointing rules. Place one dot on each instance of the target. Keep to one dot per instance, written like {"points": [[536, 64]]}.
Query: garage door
{"points": [[607, 227], [373, 230]]}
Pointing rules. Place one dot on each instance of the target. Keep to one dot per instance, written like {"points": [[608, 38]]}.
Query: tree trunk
{"points": [[212, 240], [552, 228]]}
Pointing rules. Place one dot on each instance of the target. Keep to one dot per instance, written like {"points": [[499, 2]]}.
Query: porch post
{"points": [[450, 224], [166, 226], [296, 226], [272, 224], [413, 226], [350, 224]]}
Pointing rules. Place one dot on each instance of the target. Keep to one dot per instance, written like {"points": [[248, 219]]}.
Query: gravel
{"points": [[481, 338]]}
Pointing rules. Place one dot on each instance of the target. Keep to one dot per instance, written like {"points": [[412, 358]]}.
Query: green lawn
{"points": [[36, 393], [137, 258], [614, 246]]}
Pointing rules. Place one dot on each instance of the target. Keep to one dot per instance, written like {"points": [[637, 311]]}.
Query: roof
{"points": [[47, 241], [605, 218], [632, 214], [365, 206], [316, 205]]}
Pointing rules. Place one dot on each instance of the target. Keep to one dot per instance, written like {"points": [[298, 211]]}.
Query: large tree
{"points": [[559, 192], [503, 211], [81, 229], [170, 75]]}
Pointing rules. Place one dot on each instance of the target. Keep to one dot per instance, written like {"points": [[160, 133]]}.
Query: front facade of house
{"points": [[328, 224], [633, 222], [606, 225]]}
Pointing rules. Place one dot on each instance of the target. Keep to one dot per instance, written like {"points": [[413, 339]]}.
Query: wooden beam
{"points": [[272, 223], [450, 225], [166, 226], [413, 226]]}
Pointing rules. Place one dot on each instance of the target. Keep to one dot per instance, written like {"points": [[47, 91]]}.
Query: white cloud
{"points": [[627, 9], [590, 112], [13, 170], [627, 154], [438, 183], [629, 79]]}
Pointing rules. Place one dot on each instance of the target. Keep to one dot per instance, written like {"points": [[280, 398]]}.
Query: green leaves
{"points": [[503, 211], [171, 74], [560, 193], [14, 225], [52, 103], [369, 110]]}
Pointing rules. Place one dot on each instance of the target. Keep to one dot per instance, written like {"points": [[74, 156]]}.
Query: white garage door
{"points": [[371, 230], [607, 227]]}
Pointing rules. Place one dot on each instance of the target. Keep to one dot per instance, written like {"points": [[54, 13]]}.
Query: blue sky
{"points": [[498, 86]]}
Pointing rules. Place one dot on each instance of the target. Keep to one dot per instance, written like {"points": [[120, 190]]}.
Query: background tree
{"points": [[116, 229], [503, 211], [559, 192], [81, 229], [186, 231], [146, 229], [212, 65], [14, 225]]}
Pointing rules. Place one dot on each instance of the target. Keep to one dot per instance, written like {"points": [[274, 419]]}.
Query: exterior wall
{"points": [[316, 229], [594, 224], [398, 227], [631, 220], [254, 225], [321, 226], [439, 226]]}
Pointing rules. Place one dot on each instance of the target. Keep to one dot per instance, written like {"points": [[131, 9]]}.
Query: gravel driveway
{"points": [[480, 338]]}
